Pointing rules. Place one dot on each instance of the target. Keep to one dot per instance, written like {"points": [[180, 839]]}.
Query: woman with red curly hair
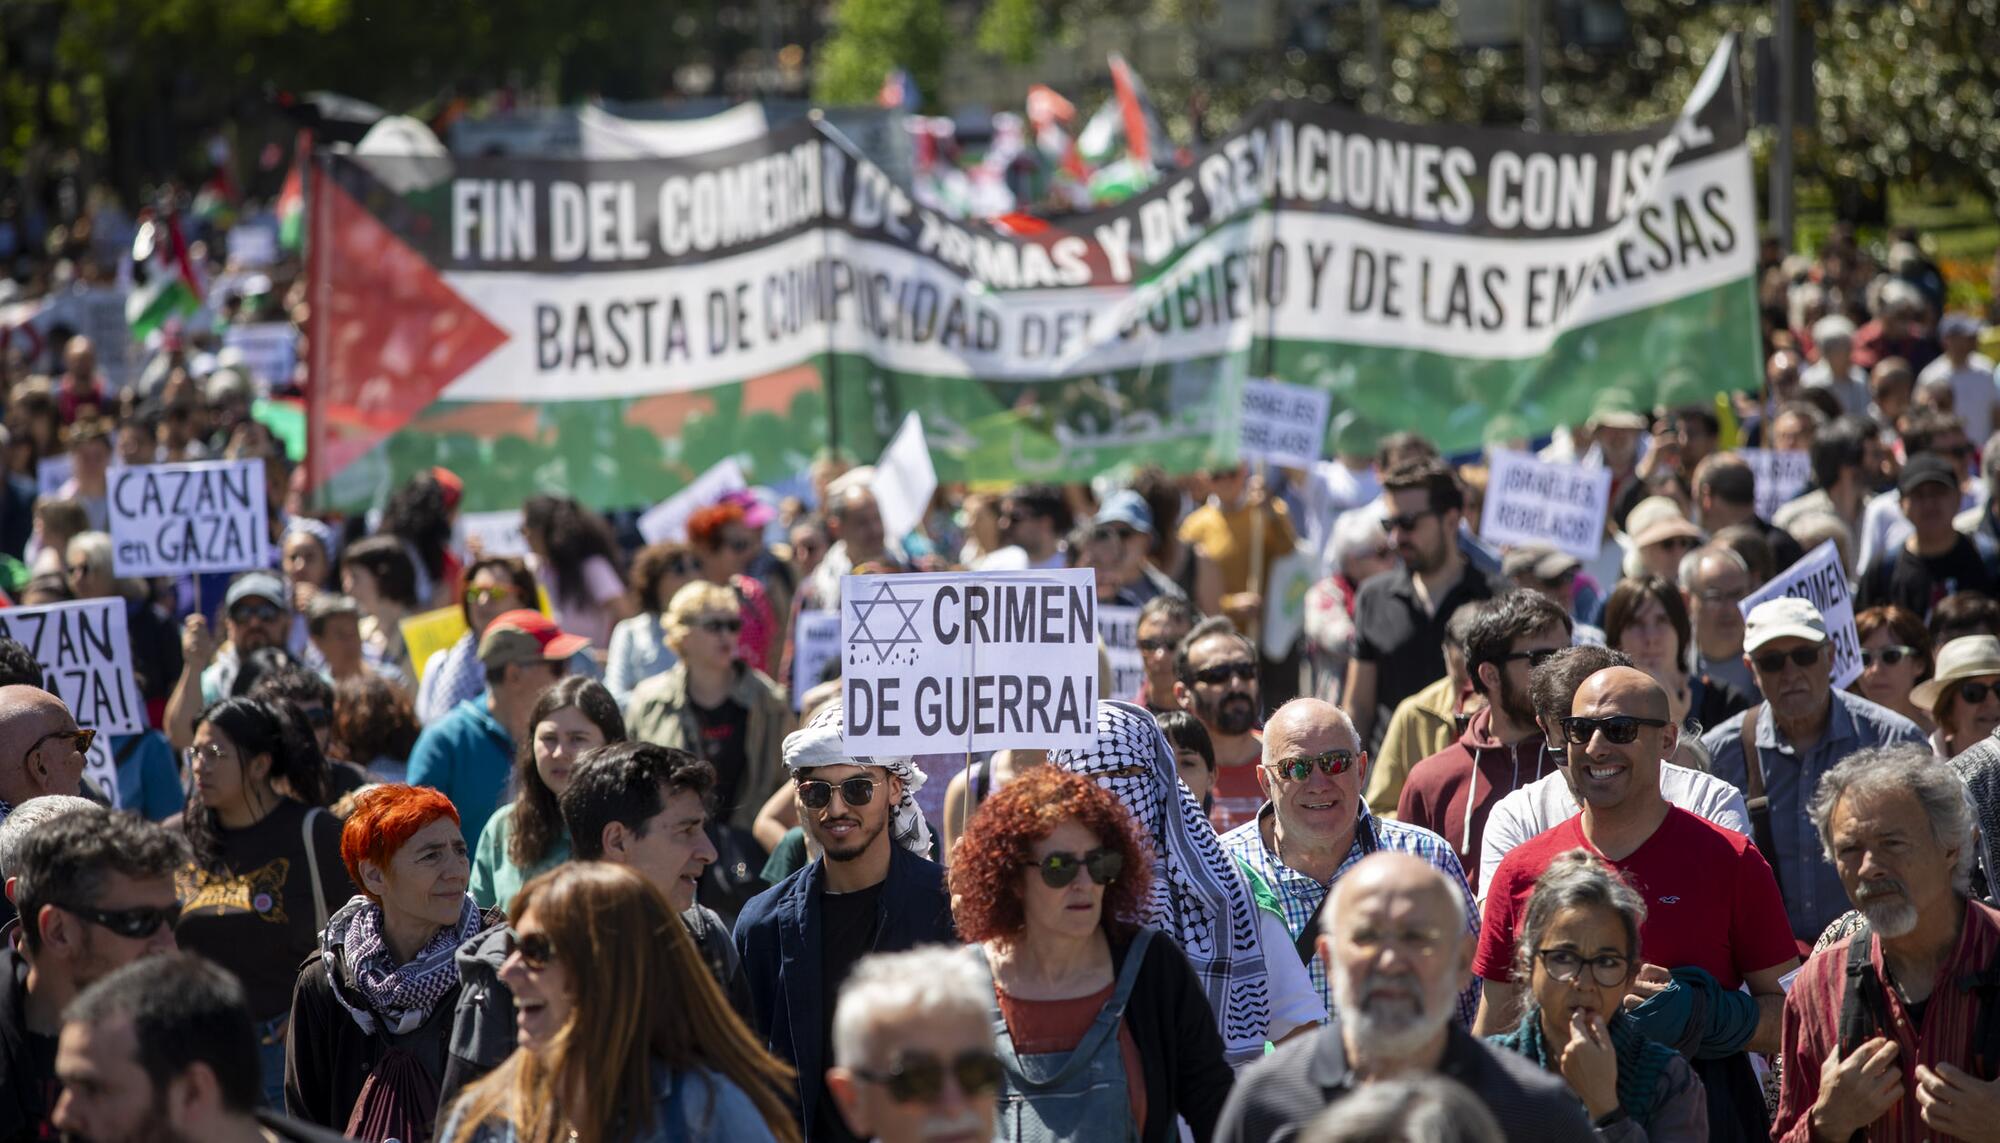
{"points": [[1105, 1033], [371, 1016], [724, 543]]}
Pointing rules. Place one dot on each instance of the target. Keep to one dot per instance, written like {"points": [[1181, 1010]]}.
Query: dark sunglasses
{"points": [[1332, 763], [79, 739], [1221, 673], [718, 626], [1888, 656], [817, 795], [1971, 692], [1407, 522], [1618, 729], [1534, 658], [484, 595], [918, 1077], [535, 949], [1151, 646], [1059, 869], [133, 924], [1774, 662], [254, 613]]}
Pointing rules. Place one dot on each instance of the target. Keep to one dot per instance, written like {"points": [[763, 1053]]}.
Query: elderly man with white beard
{"points": [[1893, 1029], [1395, 943]]}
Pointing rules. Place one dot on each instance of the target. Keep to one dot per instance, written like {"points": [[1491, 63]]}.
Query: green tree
{"points": [[871, 38]]}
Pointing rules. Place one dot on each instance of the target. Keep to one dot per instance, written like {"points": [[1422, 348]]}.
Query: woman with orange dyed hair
{"points": [[372, 1012], [1049, 881], [724, 542]]}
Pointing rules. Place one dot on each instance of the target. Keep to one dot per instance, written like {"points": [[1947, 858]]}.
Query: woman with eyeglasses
{"points": [[639, 645], [1964, 696], [491, 587], [1105, 1032], [1895, 657], [1646, 617], [623, 1035], [266, 869], [527, 835], [1579, 953], [372, 1010], [723, 543], [715, 706]]}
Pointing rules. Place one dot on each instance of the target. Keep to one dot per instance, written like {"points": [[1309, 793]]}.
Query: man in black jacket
{"points": [[1395, 942]]}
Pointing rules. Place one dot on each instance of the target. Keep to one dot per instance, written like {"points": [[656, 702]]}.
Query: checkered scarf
{"points": [[821, 743], [400, 995], [1198, 895]]}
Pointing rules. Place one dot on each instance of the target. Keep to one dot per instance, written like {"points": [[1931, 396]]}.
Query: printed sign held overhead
{"points": [[1533, 501], [85, 654], [1781, 476], [498, 533], [173, 519], [816, 642], [1119, 628], [1283, 425]]}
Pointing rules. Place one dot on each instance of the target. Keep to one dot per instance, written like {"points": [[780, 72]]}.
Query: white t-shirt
{"points": [[1332, 489], [1294, 1001], [1542, 805], [1973, 393], [1851, 391]]}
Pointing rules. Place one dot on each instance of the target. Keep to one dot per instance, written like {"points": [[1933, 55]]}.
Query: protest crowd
{"points": [[1365, 817]]}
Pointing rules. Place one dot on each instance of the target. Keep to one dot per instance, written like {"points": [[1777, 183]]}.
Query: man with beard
{"points": [[1315, 829], [1394, 939], [256, 613], [165, 1050], [1034, 519], [874, 890], [1898, 827], [1215, 674], [1400, 615], [96, 891], [1797, 734], [1711, 904], [1452, 792]]}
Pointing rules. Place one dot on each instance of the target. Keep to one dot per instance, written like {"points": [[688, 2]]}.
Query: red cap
{"points": [[454, 488], [523, 636]]}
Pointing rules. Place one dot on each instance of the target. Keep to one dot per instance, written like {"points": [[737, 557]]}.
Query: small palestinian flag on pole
{"points": [[292, 197], [1123, 139], [163, 280]]}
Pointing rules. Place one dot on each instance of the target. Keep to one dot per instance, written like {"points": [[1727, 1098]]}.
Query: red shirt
{"points": [[1711, 901], [1469, 777]]}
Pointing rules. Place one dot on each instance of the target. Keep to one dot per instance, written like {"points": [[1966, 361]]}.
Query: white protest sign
{"points": [[1532, 501], [498, 533], [51, 473], [815, 643], [253, 244], [668, 519], [1781, 476], [204, 516], [1283, 425], [1819, 578], [86, 658], [904, 480], [269, 350], [100, 769], [968, 661], [1119, 628]]}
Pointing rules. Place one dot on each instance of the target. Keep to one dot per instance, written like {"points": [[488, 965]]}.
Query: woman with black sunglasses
{"points": [[1107, 1032], [639, 645], [723, 541]]}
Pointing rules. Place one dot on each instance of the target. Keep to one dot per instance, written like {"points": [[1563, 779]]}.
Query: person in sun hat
{"points": [[1963, 695], [1658, 534]]}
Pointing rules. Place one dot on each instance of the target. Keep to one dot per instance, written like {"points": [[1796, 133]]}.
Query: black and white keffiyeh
{"points": [[821, 742], [1198, 895], [400, 995]]}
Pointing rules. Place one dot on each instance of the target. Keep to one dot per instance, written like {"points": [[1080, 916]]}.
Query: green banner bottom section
{"points": [[1181, 415]]}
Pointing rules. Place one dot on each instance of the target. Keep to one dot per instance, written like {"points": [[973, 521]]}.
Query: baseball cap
{"points": [[1541, 561], [1958, 325], [1787, 617], [524, 636], [257, 585], [1128, 508], [1926, 468]]}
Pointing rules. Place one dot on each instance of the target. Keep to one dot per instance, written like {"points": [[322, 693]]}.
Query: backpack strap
{"points": [[312, 868], [1754, 798], [1986, 1029], [1864, 1009]]}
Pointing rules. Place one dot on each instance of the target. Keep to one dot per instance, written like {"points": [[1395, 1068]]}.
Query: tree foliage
{"points": [[871, 38]]}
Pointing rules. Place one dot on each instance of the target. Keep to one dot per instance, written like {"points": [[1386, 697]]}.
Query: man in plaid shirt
{"points": [[1314, 825]]}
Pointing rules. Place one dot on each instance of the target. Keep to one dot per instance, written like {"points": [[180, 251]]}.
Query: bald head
{"points": [[1626, 690], [1384, 875], [30, 765], [1308, 726]]}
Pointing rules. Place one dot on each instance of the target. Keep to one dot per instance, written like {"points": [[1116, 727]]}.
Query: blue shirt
{"points": [[1299, 895], [467, 755], [1813, 894], [149, 783]]}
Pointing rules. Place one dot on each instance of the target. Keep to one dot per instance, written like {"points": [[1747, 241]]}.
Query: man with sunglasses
{"points": [[95, 888], [872, 889], [1884, 527], [256, 613], [1777, 751], [1937, 559], [1163, 623], [1452, 792], [1034, 519], [1216, 680], [41, 749], [913, 1049]]}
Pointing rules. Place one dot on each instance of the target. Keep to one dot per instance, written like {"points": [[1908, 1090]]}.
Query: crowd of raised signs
{"points": [[1682, 833]]}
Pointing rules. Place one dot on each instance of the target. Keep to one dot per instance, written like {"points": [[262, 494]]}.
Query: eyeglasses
{"points": [[1155, 646], [1608, 969], [1617, 729], [1888, 655], [254, 612], [1242, 671], [80, 739], [1407, 522], [485, 595], [1972, 692], [136, 923], [717, 625], [1534, 658], [918, 1077], [1774, 662], [534, 949], [1059, 869], [856, 791], [1332, 763]]}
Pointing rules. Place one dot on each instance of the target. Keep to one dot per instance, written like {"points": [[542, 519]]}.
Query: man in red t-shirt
{"points": [[1711, 901]]}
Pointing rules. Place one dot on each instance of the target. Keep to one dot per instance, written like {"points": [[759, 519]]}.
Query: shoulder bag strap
{"points": [[1754, 798], [1307, 940], [312, 867]]}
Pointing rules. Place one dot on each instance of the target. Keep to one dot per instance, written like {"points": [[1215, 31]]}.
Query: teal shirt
{"points": [[495, 879]]}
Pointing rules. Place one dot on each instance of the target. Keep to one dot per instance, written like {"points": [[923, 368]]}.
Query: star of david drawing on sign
{"points": [[888, 648]]}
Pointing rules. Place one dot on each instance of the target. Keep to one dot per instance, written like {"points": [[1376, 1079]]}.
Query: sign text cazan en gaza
{"points": [[969, 661], [174, 519]]}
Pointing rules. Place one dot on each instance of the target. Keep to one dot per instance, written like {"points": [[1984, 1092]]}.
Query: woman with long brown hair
{"points": [[623, 1035], [526, 836]]}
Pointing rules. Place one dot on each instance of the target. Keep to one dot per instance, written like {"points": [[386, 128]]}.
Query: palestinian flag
{"points": [[163, 280], [1121, 141], [292, 197]]}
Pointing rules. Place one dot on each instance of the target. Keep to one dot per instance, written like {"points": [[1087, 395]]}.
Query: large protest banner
{"points": [[175, 519], [614, 328], [86, 660], [967, 661]]}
